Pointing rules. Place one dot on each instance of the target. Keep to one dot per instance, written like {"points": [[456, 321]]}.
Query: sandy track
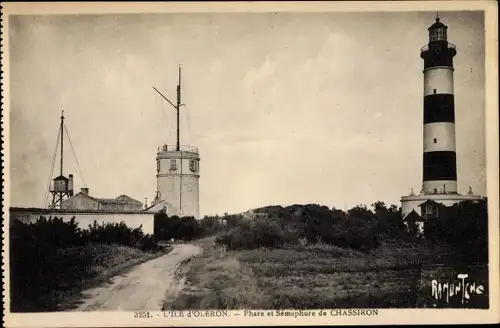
{"points": [[145, 287]]}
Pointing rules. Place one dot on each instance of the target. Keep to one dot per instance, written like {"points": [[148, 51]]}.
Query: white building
{"points": [[177, 177]]}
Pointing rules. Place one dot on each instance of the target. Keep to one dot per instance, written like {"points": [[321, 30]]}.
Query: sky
{"points": [[285, 108]]}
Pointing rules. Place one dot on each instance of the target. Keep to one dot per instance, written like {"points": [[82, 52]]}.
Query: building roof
{"points": [[164, 204], [437, 24], [122, 199], [129, 200], [108, 201], [61, 177], [430, 202], [413, 216]]}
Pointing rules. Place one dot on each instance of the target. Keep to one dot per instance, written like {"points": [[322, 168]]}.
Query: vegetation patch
{"points": [[312, 277], [52, 261], [309, 256], [216, 279]]}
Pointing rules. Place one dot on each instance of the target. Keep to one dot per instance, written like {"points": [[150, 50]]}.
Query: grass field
{"points": [[312, 277]]}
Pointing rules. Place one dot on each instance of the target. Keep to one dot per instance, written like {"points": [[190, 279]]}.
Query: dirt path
{"points": [[145, 287]]}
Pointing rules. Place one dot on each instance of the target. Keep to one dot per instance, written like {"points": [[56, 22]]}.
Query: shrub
{"points": [[147, 243], [37, 265], [51, 255], [355, 235], [113, 233], [166, 228], [312, 223], [464, 226], [251, 234], [210, 225]]}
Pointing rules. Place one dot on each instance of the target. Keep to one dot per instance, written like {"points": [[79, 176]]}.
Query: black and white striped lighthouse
{"points": [[439, 161]]}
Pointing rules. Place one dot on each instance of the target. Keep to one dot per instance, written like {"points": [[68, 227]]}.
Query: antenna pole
{"points": [[178, 107], [62, 138]]}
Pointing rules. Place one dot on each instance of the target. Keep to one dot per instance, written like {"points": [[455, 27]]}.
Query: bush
{"points": [[359, 228], [36, 265], [147, 243], [354, 234], [464, 226], [51, 255], [113, 233], [166, 228], [211, 225], [251, 234]]}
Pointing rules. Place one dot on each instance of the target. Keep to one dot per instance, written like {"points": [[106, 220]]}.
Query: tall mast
{"points": [[62, 142], [178, 107], [61, 187]]}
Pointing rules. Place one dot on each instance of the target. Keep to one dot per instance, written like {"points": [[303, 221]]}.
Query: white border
{"points": [[386, 316]]}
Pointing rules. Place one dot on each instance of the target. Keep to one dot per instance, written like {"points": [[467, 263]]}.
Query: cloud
{"points": [[285, 108], [254, 75]]}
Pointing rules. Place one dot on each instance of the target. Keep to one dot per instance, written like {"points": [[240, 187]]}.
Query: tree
{"points": [[432, 230], [464, 226], [185, 228], [361, 212], [210, 225], [389, 220]]}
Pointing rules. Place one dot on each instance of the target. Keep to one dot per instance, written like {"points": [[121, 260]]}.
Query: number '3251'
{"points": [[142, 314]]}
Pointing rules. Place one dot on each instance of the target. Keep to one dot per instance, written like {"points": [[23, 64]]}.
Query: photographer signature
{"points": [[462, 287]]}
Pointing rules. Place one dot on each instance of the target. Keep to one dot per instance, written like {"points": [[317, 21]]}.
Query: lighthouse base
{"points": [[411, 203]]}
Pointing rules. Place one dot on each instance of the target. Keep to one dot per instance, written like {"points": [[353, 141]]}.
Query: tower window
{"points": [[437, 34], [431, 211], [435, 140], [435, 91], [173, 165], [157, 166], [193, 165]]}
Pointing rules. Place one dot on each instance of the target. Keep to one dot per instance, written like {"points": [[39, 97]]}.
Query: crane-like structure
{"points": [[60, 187]]}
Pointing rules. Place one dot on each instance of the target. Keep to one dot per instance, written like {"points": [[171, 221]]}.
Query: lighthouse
{"points": [[177, 173], [439, 171], [439, 160]]}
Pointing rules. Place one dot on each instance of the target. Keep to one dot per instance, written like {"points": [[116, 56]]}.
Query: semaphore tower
{"points": [[178, 171]]}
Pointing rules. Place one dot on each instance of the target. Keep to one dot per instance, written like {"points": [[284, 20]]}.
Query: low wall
{"points": [[86, 218]]}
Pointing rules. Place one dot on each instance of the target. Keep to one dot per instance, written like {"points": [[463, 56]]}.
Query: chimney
{"points": [[145, 202], [70, 184], [85, 191]]}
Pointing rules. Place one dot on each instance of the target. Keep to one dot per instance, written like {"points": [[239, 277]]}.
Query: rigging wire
{"points": [[165, 116], [74, 155], [52, 170]]}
